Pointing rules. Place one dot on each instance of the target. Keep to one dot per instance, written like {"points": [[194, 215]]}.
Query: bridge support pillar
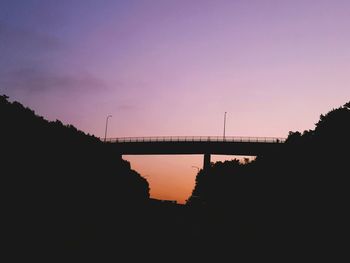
{"points": [[206, 163]]}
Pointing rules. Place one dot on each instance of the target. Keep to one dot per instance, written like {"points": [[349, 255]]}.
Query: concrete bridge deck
{"points": [[207, 145]]}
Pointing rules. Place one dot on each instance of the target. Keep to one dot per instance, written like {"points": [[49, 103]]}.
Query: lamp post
{"points": [[197, 168], [106, 126], [224, 124]]}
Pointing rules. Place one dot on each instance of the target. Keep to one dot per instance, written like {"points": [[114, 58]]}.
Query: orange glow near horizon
{"points": [[173, 68], [171, 177]]}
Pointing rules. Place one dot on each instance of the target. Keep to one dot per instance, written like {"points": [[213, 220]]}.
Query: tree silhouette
{"points": [[296, 196], [67, 193], [64, 190]]}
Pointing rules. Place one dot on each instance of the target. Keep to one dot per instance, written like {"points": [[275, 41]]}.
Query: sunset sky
{"points": [[173, 67]]}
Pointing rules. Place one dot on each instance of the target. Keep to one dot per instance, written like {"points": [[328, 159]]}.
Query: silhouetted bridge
{"points": [[207, 145]]}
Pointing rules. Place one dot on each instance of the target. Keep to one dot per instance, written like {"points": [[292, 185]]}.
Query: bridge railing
{"points": [[197, 139]]}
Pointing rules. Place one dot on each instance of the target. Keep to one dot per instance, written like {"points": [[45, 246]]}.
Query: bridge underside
{"points": [[206, 148], [225, 148]]}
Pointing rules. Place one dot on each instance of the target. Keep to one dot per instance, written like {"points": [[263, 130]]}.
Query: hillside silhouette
{"points": [[71, 196], [292, 202], [64, 190]]}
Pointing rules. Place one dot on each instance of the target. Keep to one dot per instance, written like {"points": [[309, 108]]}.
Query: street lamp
{"points": [[224, 124], [106, 126], [196, 167]]}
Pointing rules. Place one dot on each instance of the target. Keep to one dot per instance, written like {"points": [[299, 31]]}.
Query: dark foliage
{"points": [[69, 196], [289, 203], [64, 190]]}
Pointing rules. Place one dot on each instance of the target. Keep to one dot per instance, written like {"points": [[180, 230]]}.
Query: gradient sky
{"points": [[164, 67]]}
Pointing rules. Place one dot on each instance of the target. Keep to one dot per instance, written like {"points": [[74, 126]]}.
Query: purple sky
{"points": [[174, 67]]}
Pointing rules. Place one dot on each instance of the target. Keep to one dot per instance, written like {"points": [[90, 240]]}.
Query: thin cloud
{"points": [[15, 37], [32, 80], [126, 107]]}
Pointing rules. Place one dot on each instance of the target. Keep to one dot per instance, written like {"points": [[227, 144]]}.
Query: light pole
{"points": [[224, 124], [197, 168], [106, 126]]}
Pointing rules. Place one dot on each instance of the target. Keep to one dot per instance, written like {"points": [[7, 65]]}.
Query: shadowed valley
{"points": [[68, 194]]}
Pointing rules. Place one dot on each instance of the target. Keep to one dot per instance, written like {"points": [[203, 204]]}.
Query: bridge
{"points": [[206, 145]]}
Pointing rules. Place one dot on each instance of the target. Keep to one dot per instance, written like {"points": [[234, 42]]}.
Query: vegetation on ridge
{"points": [[66, 191]]}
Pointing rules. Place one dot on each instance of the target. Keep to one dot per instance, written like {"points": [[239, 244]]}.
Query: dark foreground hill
{"points": [[69, 197], [64, 190], [295, 202]]}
